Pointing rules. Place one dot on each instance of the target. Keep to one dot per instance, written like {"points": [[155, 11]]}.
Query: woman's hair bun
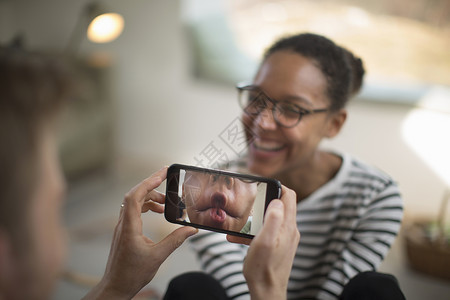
{"points": [[357, 72]]}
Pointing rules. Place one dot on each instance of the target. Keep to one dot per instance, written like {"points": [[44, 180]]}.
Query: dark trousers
{"points": [[364, 286], [195, 286], [372, 286]]}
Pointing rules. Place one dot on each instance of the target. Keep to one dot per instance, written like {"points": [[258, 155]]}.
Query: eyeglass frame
{"points": [[301, 111]]}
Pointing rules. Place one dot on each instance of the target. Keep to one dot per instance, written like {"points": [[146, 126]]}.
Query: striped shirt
{"points": [[347, 226]]}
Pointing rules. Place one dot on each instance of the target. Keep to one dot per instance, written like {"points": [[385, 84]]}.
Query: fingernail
{"points": [[194, 231], [276, 204]]}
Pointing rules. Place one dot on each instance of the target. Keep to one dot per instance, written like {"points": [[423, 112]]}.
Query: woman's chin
{"points": [[265, 163]]}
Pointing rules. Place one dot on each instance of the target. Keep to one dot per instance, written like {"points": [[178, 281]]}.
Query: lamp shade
{"points": [[102, 26], [105, 28]]}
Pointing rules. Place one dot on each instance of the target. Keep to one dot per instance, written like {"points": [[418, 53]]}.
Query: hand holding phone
{"points": [[276, 245], [217, 200], [134, 258]]}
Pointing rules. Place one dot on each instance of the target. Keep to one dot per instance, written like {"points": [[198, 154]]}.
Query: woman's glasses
{"points": [[253, 101]]}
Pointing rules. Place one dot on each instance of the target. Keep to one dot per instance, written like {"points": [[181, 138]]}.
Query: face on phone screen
{"points": [[218, 200]]}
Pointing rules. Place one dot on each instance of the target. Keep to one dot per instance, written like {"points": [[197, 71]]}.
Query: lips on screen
{"points": [[221, 201]]}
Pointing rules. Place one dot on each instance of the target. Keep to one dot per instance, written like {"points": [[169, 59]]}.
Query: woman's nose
{"points": [[265, 119]]}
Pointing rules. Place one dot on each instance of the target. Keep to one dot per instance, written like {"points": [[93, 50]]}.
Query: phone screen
{"points": [[218, 200]]}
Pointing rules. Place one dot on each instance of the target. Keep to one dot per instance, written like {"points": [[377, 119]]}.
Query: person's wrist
{"points": [[269, 294], [106, 290], [261, 292]]}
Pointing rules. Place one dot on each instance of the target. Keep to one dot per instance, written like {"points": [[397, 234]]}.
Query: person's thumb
{"points": [[175, 239]]}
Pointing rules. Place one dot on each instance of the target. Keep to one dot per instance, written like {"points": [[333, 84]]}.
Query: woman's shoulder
{"points": [[367, 180], [358, 168]]}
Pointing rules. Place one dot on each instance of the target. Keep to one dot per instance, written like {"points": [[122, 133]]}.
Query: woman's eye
{"points": [[289, 110], [257, 101]]}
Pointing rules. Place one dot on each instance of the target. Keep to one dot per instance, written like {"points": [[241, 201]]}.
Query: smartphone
{"points": [[217, 200]]}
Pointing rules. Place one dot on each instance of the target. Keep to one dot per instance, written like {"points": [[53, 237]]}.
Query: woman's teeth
{"points": [[267, 146]]}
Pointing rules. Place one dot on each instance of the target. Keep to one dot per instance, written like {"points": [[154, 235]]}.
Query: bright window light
{"points": [[426, 130]]}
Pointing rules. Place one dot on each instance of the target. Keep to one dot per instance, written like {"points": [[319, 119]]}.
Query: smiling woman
{"points": [[348, 212]]}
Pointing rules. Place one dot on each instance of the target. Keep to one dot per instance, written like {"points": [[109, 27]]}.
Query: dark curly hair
{"points": [[344, 72]]}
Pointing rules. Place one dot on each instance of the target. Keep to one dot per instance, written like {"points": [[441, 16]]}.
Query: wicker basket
{"points": [[429, 255]]}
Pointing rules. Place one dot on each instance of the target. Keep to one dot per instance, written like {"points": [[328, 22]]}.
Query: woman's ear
{"points": [[335, 123]]}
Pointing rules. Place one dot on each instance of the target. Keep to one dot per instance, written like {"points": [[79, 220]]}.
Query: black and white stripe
{"points": [[347, 226]]}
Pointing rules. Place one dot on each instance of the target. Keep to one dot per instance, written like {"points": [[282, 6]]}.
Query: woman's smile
{"points": [[267, 145], [266, 149]]}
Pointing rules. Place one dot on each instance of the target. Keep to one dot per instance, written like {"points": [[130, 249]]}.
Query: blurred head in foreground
{"points": [[32, 247]]}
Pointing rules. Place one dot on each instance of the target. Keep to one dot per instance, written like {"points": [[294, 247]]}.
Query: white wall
{"points": [[161, 116], [373, 132]]}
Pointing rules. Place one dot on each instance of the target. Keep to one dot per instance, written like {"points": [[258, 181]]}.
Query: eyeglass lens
{"points": [[254, 102]]}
